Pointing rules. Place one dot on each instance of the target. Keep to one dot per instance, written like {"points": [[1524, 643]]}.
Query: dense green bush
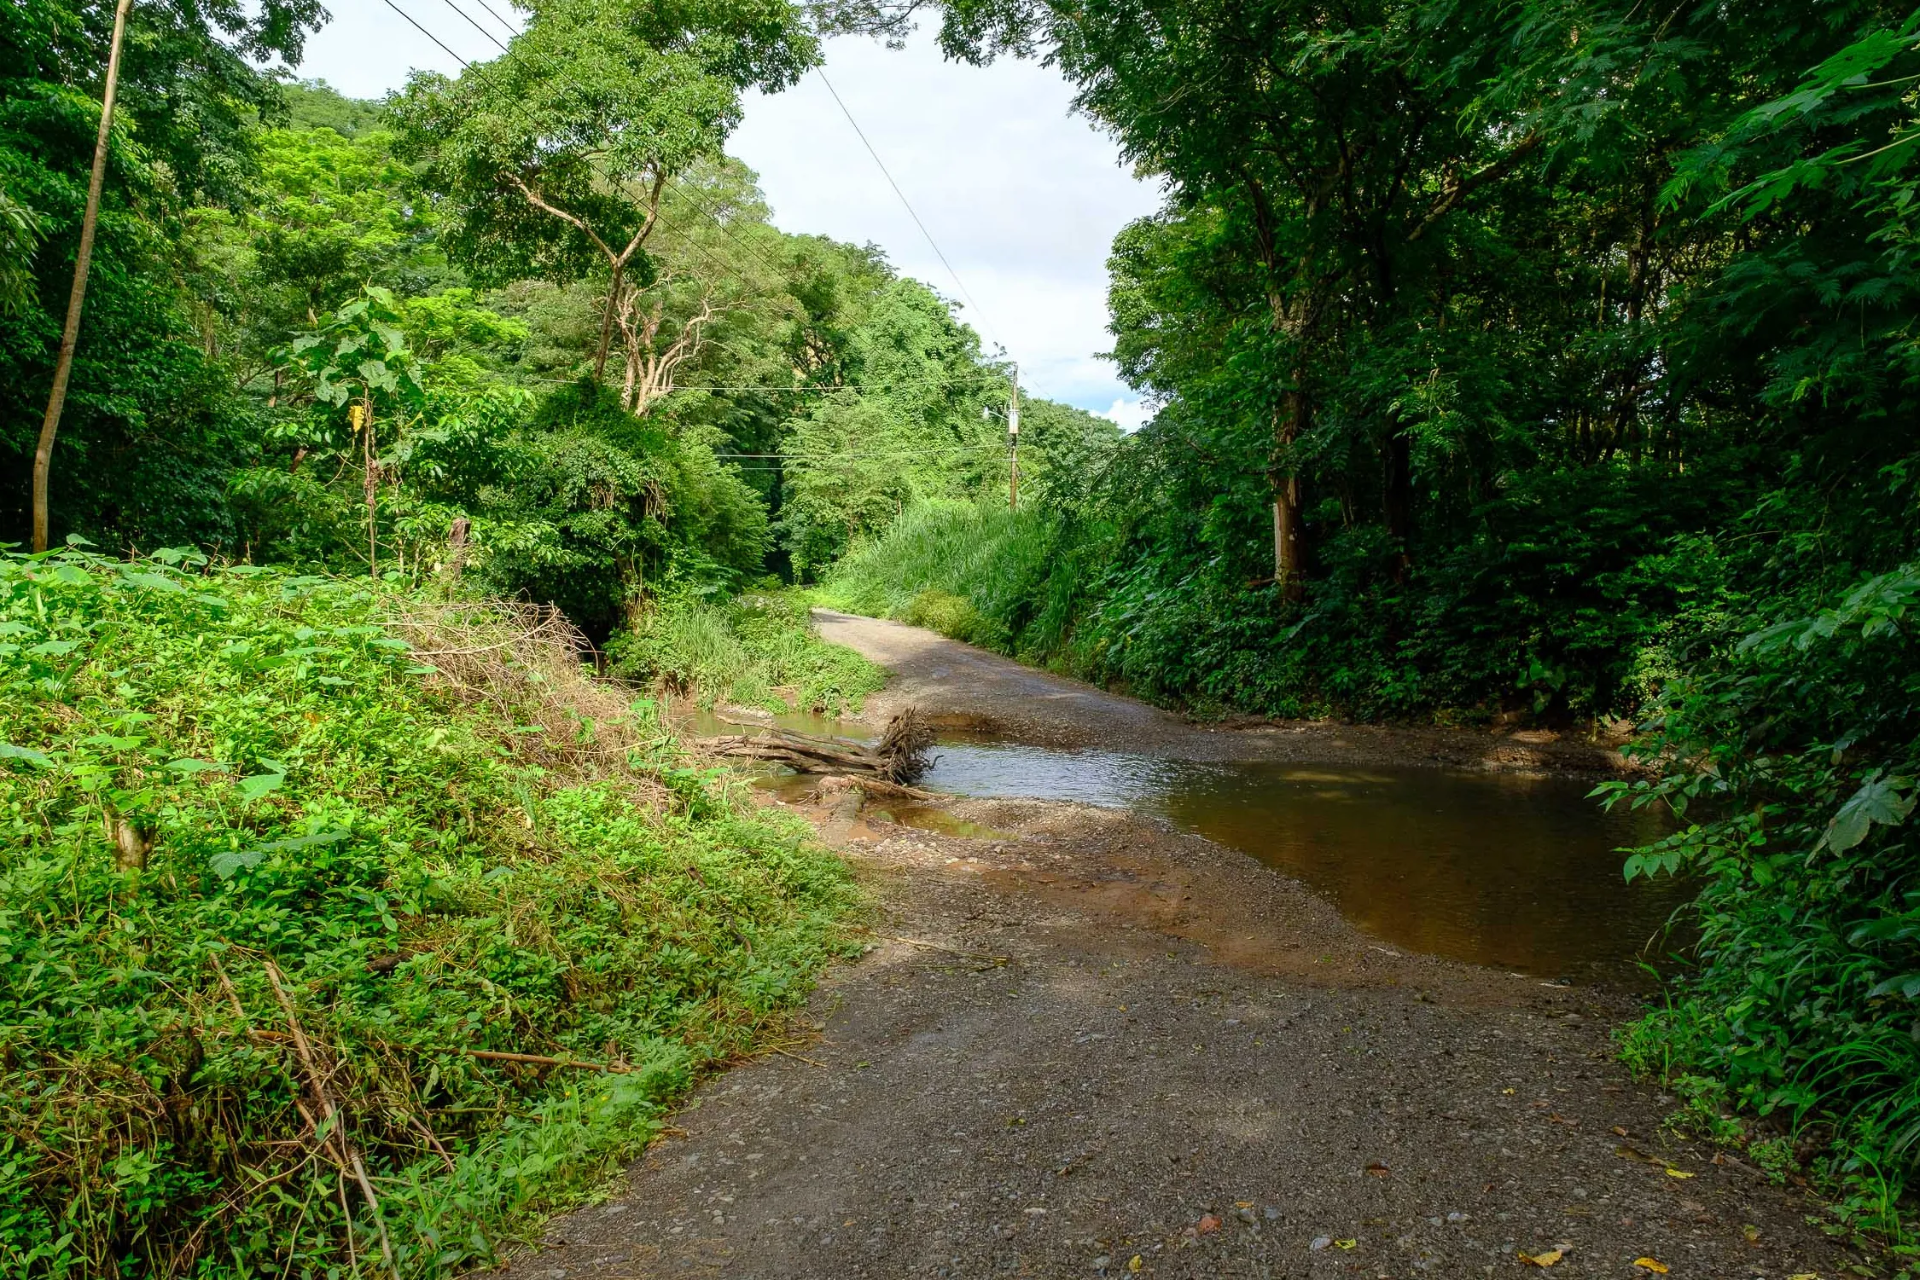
{"points": [[1562, 610], [1795, 752], [242, 807], [756, 649]]}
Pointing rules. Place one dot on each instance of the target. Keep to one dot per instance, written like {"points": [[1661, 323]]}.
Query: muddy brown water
{"points": [[1518, 872]]}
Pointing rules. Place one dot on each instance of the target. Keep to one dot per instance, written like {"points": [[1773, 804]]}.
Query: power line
{"points": [[964, 292], [497, 18], [725, 230], [464, 64], [476, 26]]}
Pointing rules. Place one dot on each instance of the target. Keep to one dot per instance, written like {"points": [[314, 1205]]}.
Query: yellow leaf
{"points": [[1651, 1264], [1345, 1244], [1805, 1275], [1547, 1259], [1677, 1173], [1133, 1263]]}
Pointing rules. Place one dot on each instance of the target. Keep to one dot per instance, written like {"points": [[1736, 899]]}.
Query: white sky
{"points": [[1023, 197]]}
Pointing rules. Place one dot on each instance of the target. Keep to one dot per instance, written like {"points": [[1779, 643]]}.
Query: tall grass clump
{"points": [[757, 649], [976, 572], [289, 865]]}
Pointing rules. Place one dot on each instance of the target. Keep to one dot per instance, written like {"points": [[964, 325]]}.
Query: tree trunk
{"points": [[457, 546], [606, 320], [1289, 535], [70, 333], [1399, 501]]}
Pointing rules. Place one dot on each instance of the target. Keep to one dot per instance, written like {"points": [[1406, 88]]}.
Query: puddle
{"points": [[1515, 872], [712, 724], [928, 817]]}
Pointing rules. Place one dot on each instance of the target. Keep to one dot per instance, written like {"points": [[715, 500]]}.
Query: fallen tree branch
{"points": [[899, 757], [894, 791]]}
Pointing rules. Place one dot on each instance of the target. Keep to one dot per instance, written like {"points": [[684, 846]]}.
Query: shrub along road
{"points": [[960, 686], [1085, 1044]]}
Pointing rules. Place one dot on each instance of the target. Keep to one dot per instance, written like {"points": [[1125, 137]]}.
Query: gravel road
{"points": [[959, 686], [1084, 1044]]}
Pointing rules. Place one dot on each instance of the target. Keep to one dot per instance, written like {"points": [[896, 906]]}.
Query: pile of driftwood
{"points": [[899, 758]]}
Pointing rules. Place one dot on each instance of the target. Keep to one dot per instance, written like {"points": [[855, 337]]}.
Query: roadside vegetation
{"points": [[312, 892], [1510, 364], [1540, 365], [756, 649]]}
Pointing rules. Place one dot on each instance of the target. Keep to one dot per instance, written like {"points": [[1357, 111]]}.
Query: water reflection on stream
{"points": [[1498, 869]]}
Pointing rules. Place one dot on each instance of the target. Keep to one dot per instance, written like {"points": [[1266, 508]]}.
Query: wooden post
{"points": [[361, 416], [70, 335], [1013, 441]]}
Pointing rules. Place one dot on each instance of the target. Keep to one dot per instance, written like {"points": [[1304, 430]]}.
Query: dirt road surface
{"points": [[963, 687], [1083, 1044]]}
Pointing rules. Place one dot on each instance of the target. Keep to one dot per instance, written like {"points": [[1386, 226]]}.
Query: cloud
{"points": [[1131, 415], [1022, 196]]}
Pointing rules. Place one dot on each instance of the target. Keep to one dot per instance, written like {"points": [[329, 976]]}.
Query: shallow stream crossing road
{"points": [[1083, 1044]]}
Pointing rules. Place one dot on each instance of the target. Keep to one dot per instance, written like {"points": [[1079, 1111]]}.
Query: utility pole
{"points": [[70, 335], [1013, 441]]}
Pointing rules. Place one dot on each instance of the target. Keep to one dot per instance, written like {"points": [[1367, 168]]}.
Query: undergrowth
{"points": [[1792, 751], [285, 859], [757, 649], [1549, 621]]}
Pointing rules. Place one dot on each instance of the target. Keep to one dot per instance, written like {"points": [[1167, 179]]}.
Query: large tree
{"points": [[554, 158]]}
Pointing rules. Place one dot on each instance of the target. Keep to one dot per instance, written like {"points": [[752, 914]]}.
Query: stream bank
{"points": [[1082, 1037]]}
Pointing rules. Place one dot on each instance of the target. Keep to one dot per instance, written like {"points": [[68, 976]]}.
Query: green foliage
{"points": [[757, 649], [315, 104], [1568, 350], [19, 236], [1793, 751], [553, 156], [963, 569], [209, 772], [924, 423], [330, 216], [150, 427]]}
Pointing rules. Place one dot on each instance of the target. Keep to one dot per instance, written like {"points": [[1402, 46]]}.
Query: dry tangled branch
{"points": [[533, 667], [898, 758]]}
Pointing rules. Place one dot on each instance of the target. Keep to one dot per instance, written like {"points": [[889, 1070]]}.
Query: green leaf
{"points": [[260, 784], [1877, 801], [10, 752], [188, 764], [227, 865], [152, 582]]}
